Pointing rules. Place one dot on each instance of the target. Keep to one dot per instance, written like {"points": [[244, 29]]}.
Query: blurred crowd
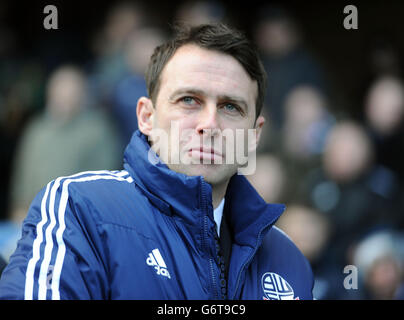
{"points": [[339, 173]]}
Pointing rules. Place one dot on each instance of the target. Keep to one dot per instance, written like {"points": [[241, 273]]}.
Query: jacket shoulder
{"points": [[112, 198], [89, 195], [92, 184], [279, 243], [97, 179], [277, 237], [286, 259]]}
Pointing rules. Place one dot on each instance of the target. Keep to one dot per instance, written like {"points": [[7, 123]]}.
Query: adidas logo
{"points": [[156, 260]]}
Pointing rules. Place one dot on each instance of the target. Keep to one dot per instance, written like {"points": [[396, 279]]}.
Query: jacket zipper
{"points": [[212, 272], [205, 224], [249, 260]]}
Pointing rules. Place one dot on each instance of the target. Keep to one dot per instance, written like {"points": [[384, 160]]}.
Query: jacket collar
{"points": [[179, 194], [164, 188]]}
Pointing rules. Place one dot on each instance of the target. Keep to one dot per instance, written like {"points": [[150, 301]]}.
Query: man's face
{"points": [[203, 93]]}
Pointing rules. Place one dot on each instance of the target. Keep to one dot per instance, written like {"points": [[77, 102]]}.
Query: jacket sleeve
{"points": [[57, 255]]}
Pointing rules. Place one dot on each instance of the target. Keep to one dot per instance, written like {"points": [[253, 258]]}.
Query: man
{"points": [[152, 230]]}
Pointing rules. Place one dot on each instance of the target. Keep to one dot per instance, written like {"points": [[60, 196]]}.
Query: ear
{"points": [[259, 123], [145, 114], [254, 137]]}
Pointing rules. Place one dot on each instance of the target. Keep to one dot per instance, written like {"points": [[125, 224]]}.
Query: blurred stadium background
{"points": [[333, 146]]}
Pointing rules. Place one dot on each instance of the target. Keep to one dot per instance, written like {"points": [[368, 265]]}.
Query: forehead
{"points": [[211, 71]]}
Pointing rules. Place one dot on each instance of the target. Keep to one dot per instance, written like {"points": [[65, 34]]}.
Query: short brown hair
{"points": [[217, 37]]}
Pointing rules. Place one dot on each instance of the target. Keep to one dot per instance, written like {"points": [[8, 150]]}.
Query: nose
{"points": [[208, 120]]}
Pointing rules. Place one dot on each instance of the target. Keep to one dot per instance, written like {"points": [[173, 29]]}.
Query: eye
{"points": [[188, 100], [230, 107]]}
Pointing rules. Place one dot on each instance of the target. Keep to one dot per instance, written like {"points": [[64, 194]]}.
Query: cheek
{"points": [[179, 129]]}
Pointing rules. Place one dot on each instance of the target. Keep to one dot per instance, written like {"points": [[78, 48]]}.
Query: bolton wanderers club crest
{"points": [[276, 288]]}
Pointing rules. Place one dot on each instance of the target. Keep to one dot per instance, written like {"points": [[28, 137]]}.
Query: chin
{"points": [[211, 173]]}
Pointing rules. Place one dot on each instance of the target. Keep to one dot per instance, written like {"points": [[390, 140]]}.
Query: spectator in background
{"points": [[137, 51], [383, 57], [20, 96], [310, 231], [349, 188], [308, 228], [285, 59], [384, 114], [21, 87], [268, 178], [200, 12], [380, 265], [68, 137], [302, 140], [348, 152], [307, 122], [123, 20]]}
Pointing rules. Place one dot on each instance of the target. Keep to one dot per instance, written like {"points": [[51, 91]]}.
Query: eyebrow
{"points": [[199, 92]]}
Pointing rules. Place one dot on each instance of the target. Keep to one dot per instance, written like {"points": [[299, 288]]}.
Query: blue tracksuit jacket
{"points": [[147, 232]]}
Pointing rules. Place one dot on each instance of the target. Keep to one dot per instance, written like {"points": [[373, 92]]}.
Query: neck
{"points": [[218, 192]]}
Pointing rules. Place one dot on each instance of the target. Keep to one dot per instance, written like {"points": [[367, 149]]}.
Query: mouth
{"points": [[205, 153]]}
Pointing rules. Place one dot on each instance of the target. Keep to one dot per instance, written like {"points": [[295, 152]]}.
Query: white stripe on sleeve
{"points": [[29, 276], [45, 264]]}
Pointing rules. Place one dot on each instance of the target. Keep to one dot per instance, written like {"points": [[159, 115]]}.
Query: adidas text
{"points": [[156, 260]]}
